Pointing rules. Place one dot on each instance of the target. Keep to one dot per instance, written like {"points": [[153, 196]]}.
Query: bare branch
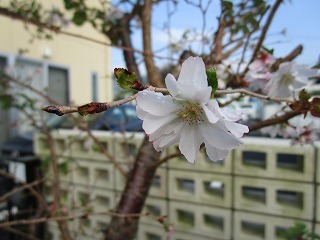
{"points": [[293, 54], [274, 120], [167, 158], [66, 218], [154, 76], [265, 29], [252, 94], [63, 226], [20, 233]]}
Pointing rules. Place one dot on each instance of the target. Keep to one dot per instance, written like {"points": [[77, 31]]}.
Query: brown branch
{"points": [[66, 218], [135, 193], [63, 226], [8, 13], [230, 101], [265, 30], [216, 53], [249, 37], [89, 108], [167, 158], [232, 41], [154, 75], [274, 120], [252, 94], [24, 186], [20, 233], [231, 50], [293, 54]]}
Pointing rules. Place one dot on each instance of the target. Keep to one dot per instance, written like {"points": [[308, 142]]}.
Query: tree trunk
{"points": [[134, 195]]}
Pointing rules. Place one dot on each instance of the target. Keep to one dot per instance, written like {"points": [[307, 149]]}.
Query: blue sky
{"points": [[299, 18]]}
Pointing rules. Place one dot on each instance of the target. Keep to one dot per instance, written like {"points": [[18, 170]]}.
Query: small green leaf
{"points": [[212, 79], [79, 17], [304, 96], [127, 80], [64, 168], [6, 101], [270, 51], [69, 4]]}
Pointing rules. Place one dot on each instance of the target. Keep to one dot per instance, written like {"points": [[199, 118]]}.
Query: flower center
{"points": [[191, 113], [287, 79]]}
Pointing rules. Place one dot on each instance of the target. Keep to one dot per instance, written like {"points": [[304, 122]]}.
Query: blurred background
{"points": [[64, 53]]}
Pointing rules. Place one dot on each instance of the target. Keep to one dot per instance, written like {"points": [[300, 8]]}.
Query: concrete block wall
{"points": [[257, 192], [252, 226]]}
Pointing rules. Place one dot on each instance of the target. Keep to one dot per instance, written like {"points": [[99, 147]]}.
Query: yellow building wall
{"points": [[81, 57]]}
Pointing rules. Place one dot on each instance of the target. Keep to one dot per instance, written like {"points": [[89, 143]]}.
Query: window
{"points": [[58, 85], [94, 87]]}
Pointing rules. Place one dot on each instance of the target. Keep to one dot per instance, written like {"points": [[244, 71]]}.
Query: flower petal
{"points": [[189, 92], [164, 129], [216, 154], [152, 123], [193, 72], [212, 117], [171, 84], [218, 136], [202, 96], [156, 103], [168, 139], [190, 142], [236, 129], [140, 113]]}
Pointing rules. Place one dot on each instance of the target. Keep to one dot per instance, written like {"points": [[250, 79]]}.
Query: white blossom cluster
{"points": [[188, 116]]}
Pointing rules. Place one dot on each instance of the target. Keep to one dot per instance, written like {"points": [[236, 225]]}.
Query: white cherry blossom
{"points": [[283, 130], [290, 76], [306, 135], [187, 116], [259, 71]]}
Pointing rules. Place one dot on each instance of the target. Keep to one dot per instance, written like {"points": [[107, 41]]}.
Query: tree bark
{"points": [[153, 72], [126, 42], [134, 194]]}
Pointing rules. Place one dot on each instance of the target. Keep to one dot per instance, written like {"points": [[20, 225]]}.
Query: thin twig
{"points": [[167, 158], [252, 94], [83, 216], [63, 226], [20, 233], [108, 105], [230, 101], [274, 120], [265, 29], [249, 37], [24, 186]]}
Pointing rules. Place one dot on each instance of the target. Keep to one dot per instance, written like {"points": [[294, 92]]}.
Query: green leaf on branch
{"points": [[79, 17], [270, 51], [212, 79], [304, 96], [128, 80], [69, 4], [6, 101]]}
